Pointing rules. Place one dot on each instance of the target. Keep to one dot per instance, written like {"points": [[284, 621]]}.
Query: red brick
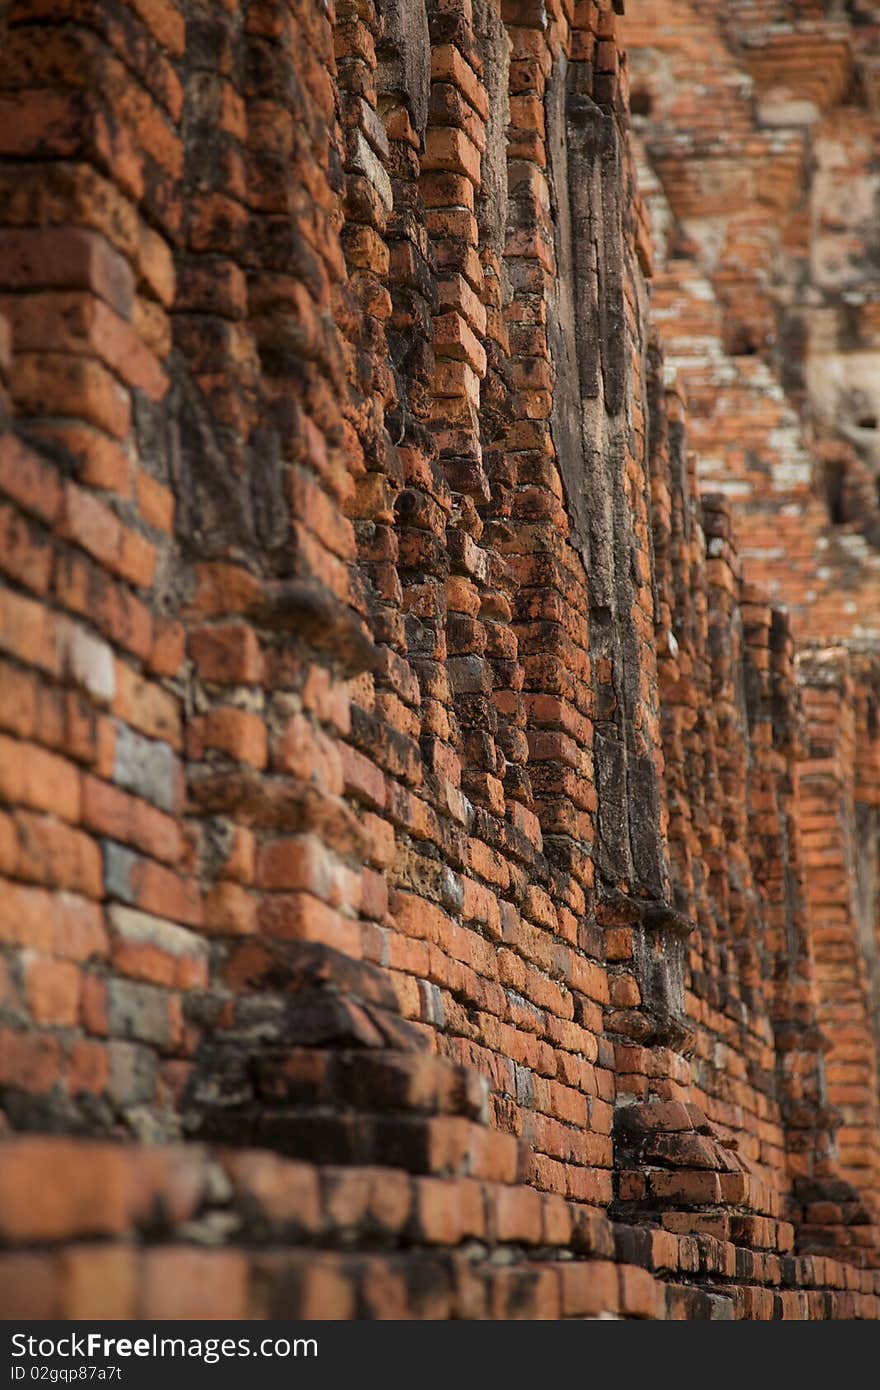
{"points": [[53, 853], [237, 733], [29, 1063], [168, 649], [98, 1282], [30, 1285], [193, 1283], [227, 654], [52, 992], [641, 1296], [114, 813], [146, 706], [88, 1068], [58, 383], [31, 776], [589, 1288], [156, 503], [27, 479], [65, 257]]}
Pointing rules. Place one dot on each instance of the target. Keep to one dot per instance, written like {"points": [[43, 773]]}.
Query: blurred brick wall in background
{"points": [[439, 756]]}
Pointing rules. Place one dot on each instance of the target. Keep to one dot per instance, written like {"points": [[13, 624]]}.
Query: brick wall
{"points": [[436, 882], [762, 180]]}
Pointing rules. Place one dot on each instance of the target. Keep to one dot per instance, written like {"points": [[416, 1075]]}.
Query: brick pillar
{"points": [[827, 811], [90, 161]]}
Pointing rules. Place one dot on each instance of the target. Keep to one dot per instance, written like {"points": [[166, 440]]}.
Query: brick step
{"points": [[164, 1281], [261, 1196], [277, 967], [146, 1223], [371, 1080], [676, 1170], [752, 1232], [857, 1244], [277, 1199], [439, 1144], [651, 1189], [169, 1281], [234, 1076]]}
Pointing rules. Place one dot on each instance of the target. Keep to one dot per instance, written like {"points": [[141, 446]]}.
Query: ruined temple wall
{"points": [[233, 786], [764, 176], [764, 303], [397, 768], [836, 794]]}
